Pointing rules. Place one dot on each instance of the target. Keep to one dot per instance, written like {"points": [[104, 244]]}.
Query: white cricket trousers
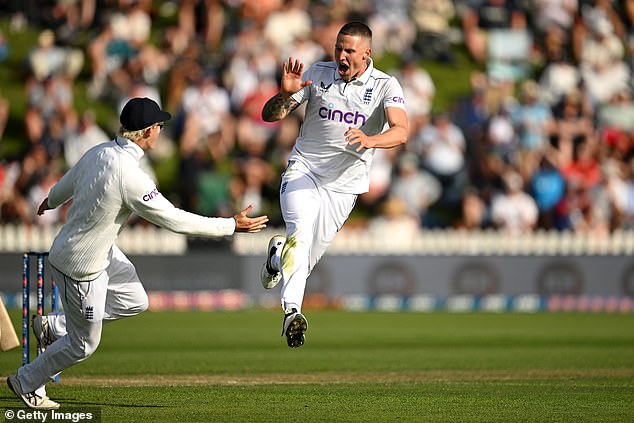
{"points": [[313, 215], [115, 294]]}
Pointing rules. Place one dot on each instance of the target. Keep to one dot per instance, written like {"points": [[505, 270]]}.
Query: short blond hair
{"points": [[133, 136]]}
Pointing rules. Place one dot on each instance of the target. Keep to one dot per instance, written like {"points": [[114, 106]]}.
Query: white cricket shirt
{"points": [[333, 106], [106, 186]]}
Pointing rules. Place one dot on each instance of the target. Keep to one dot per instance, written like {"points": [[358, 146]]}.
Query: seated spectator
{"points": [[4, 115], [601, 60], [549, 14], [289, 23], [533, 120], [584, 170], [441, 147], [13, 206], [50, 112], [619, 186], [496, 32], [126, 32], [204, 21], [70, 18], [572, 126], [617, 112], [547, 186], [207, 121], [206, 135], [514, 211], [501, 136], [382, 174], [395, 220], [87, 135], [414, 187], [584, 210], [432, 19], [559, 76], [393, 30], [186, 68], [47, 59], [4, 47], [474, 213], [419, 90]]}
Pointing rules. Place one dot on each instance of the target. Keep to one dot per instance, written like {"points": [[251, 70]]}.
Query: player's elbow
{"points": [[401, 135]]}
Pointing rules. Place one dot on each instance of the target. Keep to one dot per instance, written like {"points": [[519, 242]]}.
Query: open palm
{"points": [[292, 76]]}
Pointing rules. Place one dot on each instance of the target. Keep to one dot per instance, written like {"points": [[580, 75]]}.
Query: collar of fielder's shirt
{"points": [[130, 147], [365, 75]]}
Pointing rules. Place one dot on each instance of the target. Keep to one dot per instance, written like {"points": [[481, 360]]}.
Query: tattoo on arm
{"points": [[278, 107]]}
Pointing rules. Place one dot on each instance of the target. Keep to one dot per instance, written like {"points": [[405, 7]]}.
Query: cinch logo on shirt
{"points": [[150, 195], [400, 100], [353, 118]]}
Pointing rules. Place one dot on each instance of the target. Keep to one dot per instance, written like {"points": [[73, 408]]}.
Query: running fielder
{"points": [[351, 109], [96, 280]]}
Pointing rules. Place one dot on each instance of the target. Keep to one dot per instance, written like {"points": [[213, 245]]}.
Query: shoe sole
{"points": [[295, 332], [270, 281], [21, 397]]}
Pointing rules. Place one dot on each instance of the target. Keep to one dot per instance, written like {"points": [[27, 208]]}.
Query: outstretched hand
{"points": [[292, 77], [249, 224]]}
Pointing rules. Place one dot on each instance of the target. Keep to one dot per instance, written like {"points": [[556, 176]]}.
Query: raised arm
{"points": [[282, 104]]}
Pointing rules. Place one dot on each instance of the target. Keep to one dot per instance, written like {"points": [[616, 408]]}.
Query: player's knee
{"points": [[83, 348], [90, 346], [142, 303]]}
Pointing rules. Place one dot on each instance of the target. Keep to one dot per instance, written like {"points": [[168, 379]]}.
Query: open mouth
{"points": [[343, 68]]}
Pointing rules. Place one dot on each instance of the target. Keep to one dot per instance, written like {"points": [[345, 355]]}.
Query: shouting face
{"points": [[351, 54]]}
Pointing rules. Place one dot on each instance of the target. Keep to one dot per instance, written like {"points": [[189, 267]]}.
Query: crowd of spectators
{"points": [[544, 140]]}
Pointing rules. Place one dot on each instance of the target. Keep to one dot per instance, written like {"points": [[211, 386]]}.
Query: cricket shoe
{"points": [[295, 324], [269, 276], [42, 332], [31, 399]]}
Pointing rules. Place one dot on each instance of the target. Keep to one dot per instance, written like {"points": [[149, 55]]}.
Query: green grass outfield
{"points": [[355, 367]]}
